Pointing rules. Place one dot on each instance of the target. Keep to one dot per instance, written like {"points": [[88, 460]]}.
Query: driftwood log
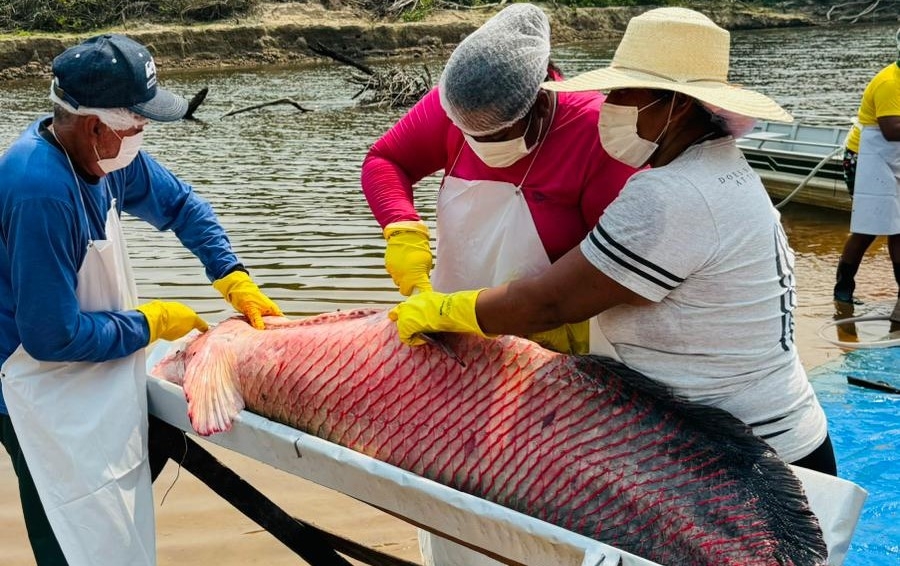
{"points": [[395, 87]]}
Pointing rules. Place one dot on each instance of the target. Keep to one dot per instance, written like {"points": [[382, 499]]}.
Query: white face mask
{"points": [[501, 154], [619, 137], [128, 150]]}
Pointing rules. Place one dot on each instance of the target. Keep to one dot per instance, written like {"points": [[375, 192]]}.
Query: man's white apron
{"points": [[82, 427], [876, 200]]}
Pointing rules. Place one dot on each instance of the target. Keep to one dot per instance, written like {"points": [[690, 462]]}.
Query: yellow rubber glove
{"points": [[430, 311], [408, 255], [170, 320], [567, 339], [243, 294]]}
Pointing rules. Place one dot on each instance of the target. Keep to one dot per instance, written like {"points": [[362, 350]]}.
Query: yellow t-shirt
{"points": [[881, 98]]}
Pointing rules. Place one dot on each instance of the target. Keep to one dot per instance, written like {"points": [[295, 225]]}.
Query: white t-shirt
{"points": [[700, 238]]}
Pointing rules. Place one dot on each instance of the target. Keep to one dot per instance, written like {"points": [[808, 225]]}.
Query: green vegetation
{"points": [[422, 8]]}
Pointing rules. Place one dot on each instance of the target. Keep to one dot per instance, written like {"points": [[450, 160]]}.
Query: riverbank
{"points": [[284, 33]]}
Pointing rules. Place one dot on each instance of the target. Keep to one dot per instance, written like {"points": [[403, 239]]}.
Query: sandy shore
{"points": [[195, 526]]}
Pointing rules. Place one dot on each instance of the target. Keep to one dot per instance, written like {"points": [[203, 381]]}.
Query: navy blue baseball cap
{"points": [[113, 71]]}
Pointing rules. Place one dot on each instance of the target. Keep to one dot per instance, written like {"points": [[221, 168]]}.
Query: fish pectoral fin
{"points": [[213, 390]]}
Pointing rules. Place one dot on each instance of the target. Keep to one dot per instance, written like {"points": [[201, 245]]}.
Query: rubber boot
{"points": [[845, 283]]}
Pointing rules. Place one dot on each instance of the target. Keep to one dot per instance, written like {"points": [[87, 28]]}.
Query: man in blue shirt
{"points": [[72, 333]]}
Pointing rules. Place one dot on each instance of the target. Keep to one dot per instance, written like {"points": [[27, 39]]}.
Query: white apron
{"points": [[492, 238], [876, 200], [82, 427], [494, 241]]}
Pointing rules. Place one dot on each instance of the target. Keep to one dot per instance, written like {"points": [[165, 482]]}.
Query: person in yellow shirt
{"points": [[872, 171]]}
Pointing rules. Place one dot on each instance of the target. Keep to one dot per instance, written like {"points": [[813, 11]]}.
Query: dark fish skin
{"points": [[579, 441]]}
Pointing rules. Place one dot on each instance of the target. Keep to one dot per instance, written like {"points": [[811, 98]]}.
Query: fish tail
{"points": [[212, 389], [780, 501]]}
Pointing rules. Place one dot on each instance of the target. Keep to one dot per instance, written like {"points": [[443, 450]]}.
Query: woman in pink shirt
{"points": [[525, 179], [525, 176]]}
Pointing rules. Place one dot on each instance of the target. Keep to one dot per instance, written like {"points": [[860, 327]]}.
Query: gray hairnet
{"points": [[493, 76]]}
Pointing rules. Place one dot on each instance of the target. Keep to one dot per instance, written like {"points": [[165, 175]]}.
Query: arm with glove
{"points": [[415, 147], [170, 320], [407, 257], [540, 306], [436, 312], [455, 312]]}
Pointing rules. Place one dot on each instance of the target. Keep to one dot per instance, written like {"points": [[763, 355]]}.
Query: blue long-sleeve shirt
{"points": [[44, 234]]}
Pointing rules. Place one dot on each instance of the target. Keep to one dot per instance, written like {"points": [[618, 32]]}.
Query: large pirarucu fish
{"points": [[579, 441]]}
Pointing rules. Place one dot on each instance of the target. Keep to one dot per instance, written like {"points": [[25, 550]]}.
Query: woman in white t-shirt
{"points": [[688, 270]]}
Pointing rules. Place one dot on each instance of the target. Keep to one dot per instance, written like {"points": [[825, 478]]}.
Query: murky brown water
{"points": [[286, 184]]}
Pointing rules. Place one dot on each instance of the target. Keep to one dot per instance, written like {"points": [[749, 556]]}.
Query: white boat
{"points": [[800, 162]]}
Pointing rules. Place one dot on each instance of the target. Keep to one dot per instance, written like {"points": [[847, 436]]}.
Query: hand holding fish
{"points": [[245, 296], [436, 312], [171, 320]]}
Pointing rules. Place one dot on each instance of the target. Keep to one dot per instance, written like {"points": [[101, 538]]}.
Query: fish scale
{"points": [[579, 441]]}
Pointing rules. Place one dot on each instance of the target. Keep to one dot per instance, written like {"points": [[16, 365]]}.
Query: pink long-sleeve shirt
{"points": [[572, 180]]}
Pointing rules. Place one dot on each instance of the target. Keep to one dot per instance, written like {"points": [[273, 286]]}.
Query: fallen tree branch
{"points": [[395, 86], [290, 101], [322, 50]]}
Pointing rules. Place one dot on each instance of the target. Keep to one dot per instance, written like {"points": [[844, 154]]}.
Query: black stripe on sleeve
{"points": [[651, 267]]}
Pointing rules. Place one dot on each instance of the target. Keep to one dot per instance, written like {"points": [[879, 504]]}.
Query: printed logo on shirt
{"points": [[784, 269], [737, 177]]}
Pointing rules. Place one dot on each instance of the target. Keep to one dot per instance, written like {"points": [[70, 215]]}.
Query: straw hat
{"points": [[680, 50]]}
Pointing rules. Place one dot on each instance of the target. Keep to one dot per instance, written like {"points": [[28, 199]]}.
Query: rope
{"points": [[811, 174]]}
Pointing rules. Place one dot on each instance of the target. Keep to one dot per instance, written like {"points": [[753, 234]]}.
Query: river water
{"points": [[286, 183]]}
